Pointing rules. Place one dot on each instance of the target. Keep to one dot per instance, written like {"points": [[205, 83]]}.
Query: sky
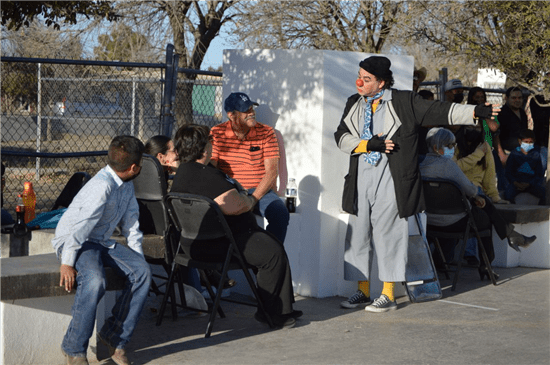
{"points": [[214, 55]]}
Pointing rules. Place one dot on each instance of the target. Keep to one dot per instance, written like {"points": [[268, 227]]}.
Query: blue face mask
{"points": [[527, 146], [448, 152]]}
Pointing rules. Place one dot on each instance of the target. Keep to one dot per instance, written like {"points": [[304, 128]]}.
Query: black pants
{"points": [[485, 219], [264, 251]]}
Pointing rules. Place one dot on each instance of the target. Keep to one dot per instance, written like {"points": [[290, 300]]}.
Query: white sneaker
{"points": [[382, 304]]}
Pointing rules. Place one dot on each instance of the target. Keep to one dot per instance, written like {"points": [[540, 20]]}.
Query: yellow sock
{"points": [[388, 290], [364, 286]]}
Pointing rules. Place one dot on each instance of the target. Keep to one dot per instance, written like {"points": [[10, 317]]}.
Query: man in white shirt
{"points": [[82, 242]]}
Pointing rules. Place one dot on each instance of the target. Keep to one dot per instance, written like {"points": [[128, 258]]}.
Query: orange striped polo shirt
{"points": [[244, 160]]}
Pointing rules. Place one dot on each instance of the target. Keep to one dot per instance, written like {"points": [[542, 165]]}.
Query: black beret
{"points": [[379, 66]]}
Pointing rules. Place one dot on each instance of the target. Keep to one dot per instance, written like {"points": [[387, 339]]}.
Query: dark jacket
{"points": [[510, 127], [525, 168], [409, 112]]}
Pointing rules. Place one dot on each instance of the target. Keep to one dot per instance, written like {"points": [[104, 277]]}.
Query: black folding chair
{"points": [[151, 189], [73, 186], [444, 196], [199, 218]]}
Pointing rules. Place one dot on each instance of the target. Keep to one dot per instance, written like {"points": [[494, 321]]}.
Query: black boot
{"points": [[516, 240]]}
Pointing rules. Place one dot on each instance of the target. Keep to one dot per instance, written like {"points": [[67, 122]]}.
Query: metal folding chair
{"points": [[199, 218], [151, 189], [444, 196]]}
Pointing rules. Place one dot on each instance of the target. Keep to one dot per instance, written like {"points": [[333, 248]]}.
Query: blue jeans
{"points": [[272, 208], [502, 182], [90, 279], [538, 191]]}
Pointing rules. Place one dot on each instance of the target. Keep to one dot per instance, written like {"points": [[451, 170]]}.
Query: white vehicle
{"points": [[59, 108], [97, 105]]}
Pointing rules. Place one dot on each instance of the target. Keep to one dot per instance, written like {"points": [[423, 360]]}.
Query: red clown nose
{"points": [[359, 83]]}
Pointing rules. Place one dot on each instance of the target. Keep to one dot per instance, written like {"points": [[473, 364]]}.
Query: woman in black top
{"points": [[259, 247]]}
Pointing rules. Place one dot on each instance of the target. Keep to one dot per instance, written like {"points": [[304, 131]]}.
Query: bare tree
{"points": [[426, 55], [124, 44], [41, 41], [508, 35], [511, 36], [191, 25], [363, 26]]}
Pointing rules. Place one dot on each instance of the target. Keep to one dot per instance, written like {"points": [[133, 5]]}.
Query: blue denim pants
{"points": [[272, 208], [91, 284]]}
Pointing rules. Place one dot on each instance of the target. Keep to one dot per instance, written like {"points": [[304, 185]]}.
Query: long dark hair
{"points": [[467, 140], [474, 91], [157, 144]]}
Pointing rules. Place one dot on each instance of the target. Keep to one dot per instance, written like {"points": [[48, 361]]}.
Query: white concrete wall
{"points": [[302, 95]]}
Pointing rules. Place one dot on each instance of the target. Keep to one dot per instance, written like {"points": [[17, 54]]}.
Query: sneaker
{"points": [[356, 300], [382, 304]]}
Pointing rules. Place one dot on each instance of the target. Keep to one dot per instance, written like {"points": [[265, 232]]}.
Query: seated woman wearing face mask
{"points": [[439, 164]]}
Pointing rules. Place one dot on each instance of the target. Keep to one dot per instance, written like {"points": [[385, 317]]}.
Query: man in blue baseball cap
{"points": [[238, 101], [248, 151]]}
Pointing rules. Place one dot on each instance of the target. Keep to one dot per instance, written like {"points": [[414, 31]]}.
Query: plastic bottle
{"points": [[291, 194], [29, 199], [20, 227]]}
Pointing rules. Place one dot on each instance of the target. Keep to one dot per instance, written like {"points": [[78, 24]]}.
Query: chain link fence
{"points": [[59, 116], [494, 96], [201, 95], [495, 93]]}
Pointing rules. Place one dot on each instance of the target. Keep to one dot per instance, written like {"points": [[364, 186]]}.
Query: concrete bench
{"points": [[40, 242], [528, 220], [35, 310], [524, 214], [37, 276]]}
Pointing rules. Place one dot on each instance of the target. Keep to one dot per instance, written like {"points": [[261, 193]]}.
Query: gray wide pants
{"points": [[376, 228]]}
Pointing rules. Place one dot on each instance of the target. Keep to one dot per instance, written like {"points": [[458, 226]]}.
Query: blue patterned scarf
{"points": [[372, 157]]}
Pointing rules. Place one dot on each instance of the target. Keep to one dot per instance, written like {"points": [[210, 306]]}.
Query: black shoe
{"points": [[214, 278], [279, 321], [295, 314], [516, 240], [484, 272]]}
